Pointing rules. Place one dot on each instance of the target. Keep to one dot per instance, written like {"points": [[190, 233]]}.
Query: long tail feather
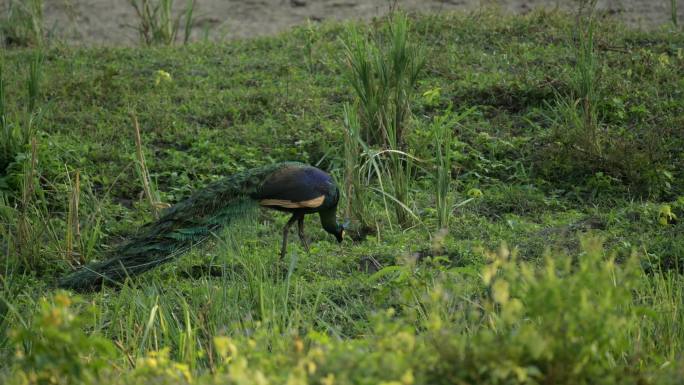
{"points": [[182, 227]]}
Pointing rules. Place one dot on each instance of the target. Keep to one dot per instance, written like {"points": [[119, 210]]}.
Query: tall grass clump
{"points": [[664, 332], [361, 164], [73, 228], [27, 235], [7, 153], [157, 24], [151, 192], [579, 132], [23, 23], [354, 187], [18, 172], [383, 71], [443, 140], [34, 82], [442, 127], [581, 110], [18, 129], [673, 12]]}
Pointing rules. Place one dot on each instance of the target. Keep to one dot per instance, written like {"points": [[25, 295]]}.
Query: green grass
{"points": [[584, 285]]}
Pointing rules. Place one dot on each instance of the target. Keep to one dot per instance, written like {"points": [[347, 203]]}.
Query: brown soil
{"points": [[111, 22]]}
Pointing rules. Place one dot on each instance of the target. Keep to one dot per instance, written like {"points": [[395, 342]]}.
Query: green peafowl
{"points": [[291, 187]]}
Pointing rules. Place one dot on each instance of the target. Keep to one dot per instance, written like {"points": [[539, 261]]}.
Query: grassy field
{"points": [[537, 239]]}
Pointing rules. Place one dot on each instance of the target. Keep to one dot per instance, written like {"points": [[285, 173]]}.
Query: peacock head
{"points": [[341, 229]]}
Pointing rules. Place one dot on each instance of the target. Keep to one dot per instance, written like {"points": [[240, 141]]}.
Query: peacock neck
{"points": [[329, 221]]}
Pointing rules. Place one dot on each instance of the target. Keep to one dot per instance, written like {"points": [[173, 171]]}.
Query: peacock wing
{"points": [[294, 185]]}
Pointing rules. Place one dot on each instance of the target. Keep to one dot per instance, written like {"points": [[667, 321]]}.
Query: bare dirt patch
{"points": [[110, 22]]}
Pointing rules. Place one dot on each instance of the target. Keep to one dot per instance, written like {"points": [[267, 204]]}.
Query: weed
{"points": [[150, 189], [23, 25], [34, 82], [18, 130], [519, 318], [312, 35], [363, 167], [383, 75], [442, 127], [673, 12], [354, 148], [157, 25], [7, 142], [189, 20], [27, 233], [50, 345], [73, 228], [586, 94], [580, 126]]}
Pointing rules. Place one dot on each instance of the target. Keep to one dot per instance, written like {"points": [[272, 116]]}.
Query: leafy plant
{"points": [[569, 321], [52, 348]]}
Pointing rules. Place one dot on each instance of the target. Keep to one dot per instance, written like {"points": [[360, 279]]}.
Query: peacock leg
{"points": [[302, 237], [286, 230]]}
